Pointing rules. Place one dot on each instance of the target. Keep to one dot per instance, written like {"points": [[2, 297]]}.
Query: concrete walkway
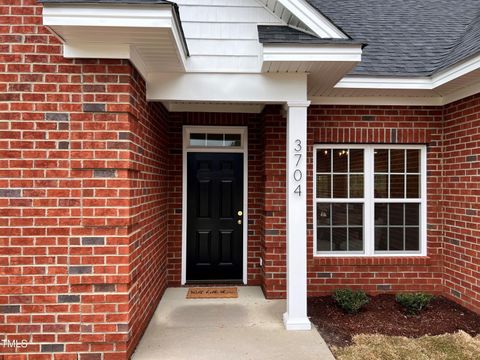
{"points": [[249, 327]]}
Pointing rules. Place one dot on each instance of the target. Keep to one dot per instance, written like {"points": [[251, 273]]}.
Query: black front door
{"points": [[214, 216]]}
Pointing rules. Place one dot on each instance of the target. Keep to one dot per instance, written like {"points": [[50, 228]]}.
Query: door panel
{"points": [[214, 226]]}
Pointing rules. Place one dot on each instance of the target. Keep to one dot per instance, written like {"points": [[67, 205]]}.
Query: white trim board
{"points": [[251, 88], [313, 19], [186, 148], [312, 53]]}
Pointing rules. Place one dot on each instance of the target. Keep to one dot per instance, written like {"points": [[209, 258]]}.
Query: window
{"points": [[370, 200], [215, 140]]}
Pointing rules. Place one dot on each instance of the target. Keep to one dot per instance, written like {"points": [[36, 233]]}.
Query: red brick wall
{"points": [[388, 125], [149, 190], [82, 197], [255, 187], [461, 188], [90, 197], [274, 248], [353, 124]]}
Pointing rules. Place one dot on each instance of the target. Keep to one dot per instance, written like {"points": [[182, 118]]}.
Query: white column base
{"points": [[296, 323]]}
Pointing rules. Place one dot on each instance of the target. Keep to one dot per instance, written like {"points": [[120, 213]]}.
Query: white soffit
{"points": [[148, 35], [326, 64], [300, 14]]}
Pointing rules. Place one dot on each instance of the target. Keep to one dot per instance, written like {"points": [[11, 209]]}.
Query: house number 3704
{"points": [[297, 173]]}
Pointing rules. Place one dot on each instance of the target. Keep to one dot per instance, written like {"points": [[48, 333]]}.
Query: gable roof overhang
{"points": [[147, 32], [448, 85]]}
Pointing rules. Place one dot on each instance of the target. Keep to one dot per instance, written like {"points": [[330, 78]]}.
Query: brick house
{"points": [[301, 146]]}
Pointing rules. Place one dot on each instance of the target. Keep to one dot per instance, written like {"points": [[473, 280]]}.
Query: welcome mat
{"points": [[212, 293]]}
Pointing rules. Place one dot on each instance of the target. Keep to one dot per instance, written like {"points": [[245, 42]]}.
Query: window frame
{"points": [[215, 130], [369, 201]]}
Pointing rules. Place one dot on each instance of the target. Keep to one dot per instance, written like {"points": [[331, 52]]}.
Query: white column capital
{"points": [[298, 103]]}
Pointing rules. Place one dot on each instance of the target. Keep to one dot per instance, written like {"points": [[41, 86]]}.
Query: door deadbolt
{"points": [[240, 213]]}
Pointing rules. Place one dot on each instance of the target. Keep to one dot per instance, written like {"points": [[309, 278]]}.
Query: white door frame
{"points": [[243, 149]]}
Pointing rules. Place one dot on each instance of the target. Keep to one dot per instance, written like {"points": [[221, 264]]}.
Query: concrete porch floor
{"points": [[249, 327]]}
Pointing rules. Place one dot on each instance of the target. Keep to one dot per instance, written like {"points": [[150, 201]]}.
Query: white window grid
{"points": [[369, 200]]}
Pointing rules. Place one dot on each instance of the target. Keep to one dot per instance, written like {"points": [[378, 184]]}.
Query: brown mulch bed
{"points": [[383, 315]]}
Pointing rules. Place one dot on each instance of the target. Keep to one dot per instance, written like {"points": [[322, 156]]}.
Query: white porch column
{"points": [[296, 316]]}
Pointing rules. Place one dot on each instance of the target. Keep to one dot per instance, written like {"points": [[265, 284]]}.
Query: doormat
{"points": [[212, 293]]}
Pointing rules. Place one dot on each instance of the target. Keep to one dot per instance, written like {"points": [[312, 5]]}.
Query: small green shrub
{"points": [[413, 303], [350, 301]]}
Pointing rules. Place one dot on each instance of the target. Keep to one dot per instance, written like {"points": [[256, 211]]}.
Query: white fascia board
{"points": [[413, 83], [371, 82], [456, 71], [251, 88], [320, 52], [313, 19], [104, 15]]}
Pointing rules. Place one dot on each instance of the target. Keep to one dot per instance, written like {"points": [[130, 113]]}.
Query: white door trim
{"points": [[243, 149]]}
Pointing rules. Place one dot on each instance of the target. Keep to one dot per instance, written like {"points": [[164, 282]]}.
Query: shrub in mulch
{"points": [[383, 315], [413, 303], [350, 301]]}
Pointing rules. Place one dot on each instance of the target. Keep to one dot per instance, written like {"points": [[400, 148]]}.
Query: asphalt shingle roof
{"points": [[407, 37]]}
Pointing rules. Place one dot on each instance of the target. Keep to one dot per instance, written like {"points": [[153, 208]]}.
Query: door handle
{"points": [[239, 222]]}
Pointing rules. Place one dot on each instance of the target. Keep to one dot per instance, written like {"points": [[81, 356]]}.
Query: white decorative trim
{"points": [[313, 19], [243, 149], [312, 53]]}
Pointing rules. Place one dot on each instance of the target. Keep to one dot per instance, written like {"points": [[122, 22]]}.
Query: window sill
{"points": [[374, 260]]}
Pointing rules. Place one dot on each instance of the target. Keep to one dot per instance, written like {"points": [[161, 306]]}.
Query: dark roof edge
{"points": [[176, 12], [294, 36]]}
